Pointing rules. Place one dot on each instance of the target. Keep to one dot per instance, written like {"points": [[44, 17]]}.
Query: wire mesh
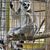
{"points": [[13, 22]]}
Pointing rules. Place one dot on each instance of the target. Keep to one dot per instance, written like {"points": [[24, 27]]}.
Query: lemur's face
{"points": [[26, 5]]}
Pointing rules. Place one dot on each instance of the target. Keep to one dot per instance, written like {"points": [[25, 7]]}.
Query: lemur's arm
{"points": [[15, 14]]}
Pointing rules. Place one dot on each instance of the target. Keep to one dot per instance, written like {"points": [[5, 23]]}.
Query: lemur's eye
{"points": [[24, 4], [28, 5]]}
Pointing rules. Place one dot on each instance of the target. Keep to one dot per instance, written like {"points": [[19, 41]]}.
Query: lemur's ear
{"points": [[20, 2], [11, 5]]}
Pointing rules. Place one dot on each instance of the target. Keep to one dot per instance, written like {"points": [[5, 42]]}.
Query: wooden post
{"points": [[48, 24]]}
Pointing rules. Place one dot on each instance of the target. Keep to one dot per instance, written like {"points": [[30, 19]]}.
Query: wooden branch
{"points": [[40, 26], [39, 10], [42, 36], [37, 36]]}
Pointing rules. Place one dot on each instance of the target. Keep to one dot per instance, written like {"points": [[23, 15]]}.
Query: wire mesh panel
{"points": [[23, 24]]}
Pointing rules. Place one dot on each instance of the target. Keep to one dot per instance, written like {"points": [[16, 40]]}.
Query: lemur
{"points": [[24, 12]]}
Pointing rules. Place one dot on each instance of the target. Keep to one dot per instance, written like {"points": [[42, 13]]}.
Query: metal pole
{"points": [[3, 20]]}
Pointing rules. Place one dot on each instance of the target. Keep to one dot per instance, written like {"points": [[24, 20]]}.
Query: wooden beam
{"points": [[42, 36], [35, 37], [40, 0], [40, 11]]}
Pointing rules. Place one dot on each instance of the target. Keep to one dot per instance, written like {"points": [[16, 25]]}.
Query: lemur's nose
{"points": [[26, 7]]}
